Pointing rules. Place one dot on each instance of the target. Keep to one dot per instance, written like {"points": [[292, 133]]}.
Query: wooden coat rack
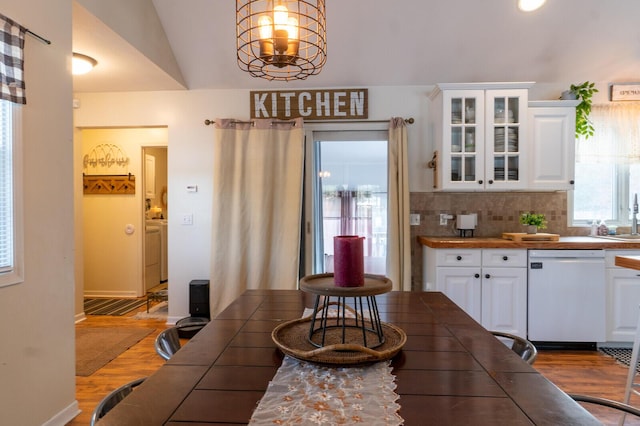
{"points": [[109, 184]]}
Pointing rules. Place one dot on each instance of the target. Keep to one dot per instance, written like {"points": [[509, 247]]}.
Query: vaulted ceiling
{"points": [[190, 44]]}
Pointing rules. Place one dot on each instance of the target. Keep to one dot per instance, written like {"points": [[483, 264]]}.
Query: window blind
{"points": [[6, 188]]}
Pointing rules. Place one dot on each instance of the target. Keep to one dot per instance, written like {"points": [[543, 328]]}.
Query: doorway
{"points": [[347, 181], [113, 225], [155, 217]]}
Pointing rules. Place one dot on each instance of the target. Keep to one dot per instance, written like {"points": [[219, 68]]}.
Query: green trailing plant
{"points": [[536, 219], [584, 92]]}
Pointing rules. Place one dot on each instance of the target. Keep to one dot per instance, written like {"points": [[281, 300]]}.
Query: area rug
{"points": [[621, 355], [159, 311], [116, 307], [95, 347]]}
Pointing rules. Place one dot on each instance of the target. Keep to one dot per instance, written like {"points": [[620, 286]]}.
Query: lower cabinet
{"points": [[623, 298], [491, 286], [488, 284]]}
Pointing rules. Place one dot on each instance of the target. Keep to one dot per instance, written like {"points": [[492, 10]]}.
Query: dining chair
{"points": [[524, 348], [113, 399], [610, 409], [167, 343], [190, 326], [632, 385]]}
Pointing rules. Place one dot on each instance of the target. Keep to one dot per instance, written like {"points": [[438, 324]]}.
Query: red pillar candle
{"points": [[348, 261]]}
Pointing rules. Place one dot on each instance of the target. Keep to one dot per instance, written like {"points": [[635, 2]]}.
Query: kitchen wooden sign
{"points": [[328, 104]]}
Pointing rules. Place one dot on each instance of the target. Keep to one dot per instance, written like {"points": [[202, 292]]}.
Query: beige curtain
{"points": [[398, 235], [257, 202], [616, 138]]}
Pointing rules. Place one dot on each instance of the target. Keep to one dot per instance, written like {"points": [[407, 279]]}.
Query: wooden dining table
{"points": [[450, 371]]}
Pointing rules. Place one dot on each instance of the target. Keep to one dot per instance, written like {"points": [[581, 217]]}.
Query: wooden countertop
{"points": [[631, 262], [586, 243]]}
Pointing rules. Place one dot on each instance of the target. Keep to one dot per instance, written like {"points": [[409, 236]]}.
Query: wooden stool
{"points": [[157, 296]]}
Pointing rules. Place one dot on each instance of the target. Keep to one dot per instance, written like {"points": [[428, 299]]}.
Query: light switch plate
{"points": [[414, 219]]}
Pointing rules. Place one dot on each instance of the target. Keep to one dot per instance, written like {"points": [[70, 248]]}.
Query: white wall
{"points": [[190, 155], [37, 356], [190, 158]]}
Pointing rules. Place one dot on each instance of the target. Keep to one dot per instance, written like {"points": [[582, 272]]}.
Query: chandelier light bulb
{"points": [[265, 25]]}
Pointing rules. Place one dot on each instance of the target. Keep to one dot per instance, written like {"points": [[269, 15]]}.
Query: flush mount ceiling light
{"points": [[82, 64], [281, 39], [530, 5]]}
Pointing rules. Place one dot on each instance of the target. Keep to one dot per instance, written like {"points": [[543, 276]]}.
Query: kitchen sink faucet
{"points": [[634, 220]]}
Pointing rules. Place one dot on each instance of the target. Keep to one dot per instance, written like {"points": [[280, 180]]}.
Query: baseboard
{"points": [[64, 416], [585, 346], [173, 320], [111, 294], [80, 317]]}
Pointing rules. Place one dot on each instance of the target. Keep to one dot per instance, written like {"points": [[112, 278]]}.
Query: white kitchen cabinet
{"points": [[623, 297], [463, 286], [551, 145], [149, 176], [480, 136], [488, 284]]}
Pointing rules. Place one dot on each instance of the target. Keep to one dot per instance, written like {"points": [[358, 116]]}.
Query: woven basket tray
{"points": [[292, 339]]}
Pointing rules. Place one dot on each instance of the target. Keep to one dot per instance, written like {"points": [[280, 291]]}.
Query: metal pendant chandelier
{"points": [[281, 39]]}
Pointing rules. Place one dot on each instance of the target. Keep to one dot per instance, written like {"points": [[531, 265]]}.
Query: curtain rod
{"points": [[39, 37], [409, 120]]}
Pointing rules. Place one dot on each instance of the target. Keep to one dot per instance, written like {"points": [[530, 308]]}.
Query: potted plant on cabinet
{"points": [[533, 221], [583, 92]]}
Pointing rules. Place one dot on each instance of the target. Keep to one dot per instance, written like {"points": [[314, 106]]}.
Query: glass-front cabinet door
{"points": [[506, 115], [480, 132], [463, 138]]}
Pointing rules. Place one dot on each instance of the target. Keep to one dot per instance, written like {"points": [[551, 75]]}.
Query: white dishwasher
{"points": [[567, 296]]}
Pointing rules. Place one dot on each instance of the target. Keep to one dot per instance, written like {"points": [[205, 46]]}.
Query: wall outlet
{"points": [[187, 219], [414, 219], [444, 217]]}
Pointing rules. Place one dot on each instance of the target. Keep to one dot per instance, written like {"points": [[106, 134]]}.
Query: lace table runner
{"points": [[305, 393]]}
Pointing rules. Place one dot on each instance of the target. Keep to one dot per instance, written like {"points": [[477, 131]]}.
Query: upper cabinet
{"points": [[149, 176], [480, 135], [552, 127]]}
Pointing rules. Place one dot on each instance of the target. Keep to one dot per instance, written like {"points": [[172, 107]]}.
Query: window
{"points": [[11, 265], [608, 167], [346, 192]]}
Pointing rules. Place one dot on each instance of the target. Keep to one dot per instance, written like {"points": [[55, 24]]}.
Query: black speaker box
{"points": [[199, 298]]}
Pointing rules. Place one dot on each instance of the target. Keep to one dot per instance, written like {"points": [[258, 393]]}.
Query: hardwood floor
{"points": [[585, 372], [140, 360]]}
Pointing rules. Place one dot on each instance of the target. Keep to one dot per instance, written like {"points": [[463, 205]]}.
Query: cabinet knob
{"points": [[572, 182], [480, 182], [490, 181], [505, 258], [458, 257], [487, 276], [477, 275]]}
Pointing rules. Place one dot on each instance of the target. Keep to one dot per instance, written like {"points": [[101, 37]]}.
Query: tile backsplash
{"points": [[497, 212]]}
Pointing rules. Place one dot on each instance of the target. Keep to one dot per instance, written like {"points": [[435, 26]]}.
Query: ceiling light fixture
{"points": [[530, 5], [281, 39], [82, 64]]}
